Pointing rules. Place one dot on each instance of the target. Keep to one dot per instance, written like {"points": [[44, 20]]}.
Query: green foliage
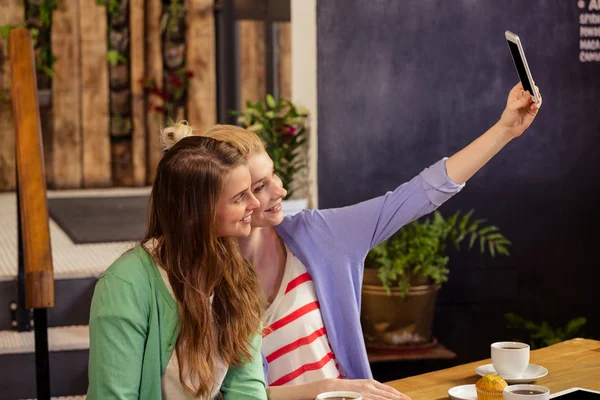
{"points": [[171, 20], [542, 334], [45, 61], [112, 7], [419, 248], [282, 126], [46, 8], [114, 58], [39, 34], [4, 30]]}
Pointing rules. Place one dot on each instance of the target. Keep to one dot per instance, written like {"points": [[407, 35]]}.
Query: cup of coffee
{"points": [[526, 392], [510, 359], [339, 395]]}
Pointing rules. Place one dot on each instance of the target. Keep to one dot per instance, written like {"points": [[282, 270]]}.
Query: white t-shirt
{"points": [[295, 343], [172, 389]]}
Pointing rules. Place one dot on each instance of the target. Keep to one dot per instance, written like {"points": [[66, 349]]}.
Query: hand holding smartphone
{"points": [[518, 55]]}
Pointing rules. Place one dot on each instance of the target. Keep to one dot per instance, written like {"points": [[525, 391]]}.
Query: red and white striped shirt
{"points": [[295, 343]]}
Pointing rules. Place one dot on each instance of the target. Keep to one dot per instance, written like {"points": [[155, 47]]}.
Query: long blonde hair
{"points": [[245, 141], [189, 180]]}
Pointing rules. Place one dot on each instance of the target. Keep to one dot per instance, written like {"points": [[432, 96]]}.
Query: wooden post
{"points": [[66, 96], [95, 118], [12, 14], [252, 61], [32, 183], [138, 106], [200, 59], [154, 69], [284, 59]]}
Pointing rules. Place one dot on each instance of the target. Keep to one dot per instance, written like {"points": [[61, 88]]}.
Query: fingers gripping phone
{"points": [[518, 56]]}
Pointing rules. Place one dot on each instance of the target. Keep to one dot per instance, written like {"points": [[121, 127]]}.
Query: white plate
{"points": [[464, 392], [532, 373]]}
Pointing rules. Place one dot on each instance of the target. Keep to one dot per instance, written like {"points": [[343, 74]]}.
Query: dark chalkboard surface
{"points": [[402, 83]]}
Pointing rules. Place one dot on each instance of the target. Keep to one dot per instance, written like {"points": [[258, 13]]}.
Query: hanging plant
{"points": [[39, 23]]}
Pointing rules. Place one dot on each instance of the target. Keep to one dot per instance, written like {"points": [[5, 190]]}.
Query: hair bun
{"points": [[170, 135]]}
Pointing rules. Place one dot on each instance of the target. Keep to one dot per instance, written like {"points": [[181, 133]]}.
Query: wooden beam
{"points": [[200, 59], [33, 205], [138, 105], [95, 119], [12, 14], [66, 96], [252, 61], [154, 69], [284, 60]]}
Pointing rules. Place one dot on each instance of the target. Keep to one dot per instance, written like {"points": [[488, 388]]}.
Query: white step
{"points": [[62, 338], [70, 260]]}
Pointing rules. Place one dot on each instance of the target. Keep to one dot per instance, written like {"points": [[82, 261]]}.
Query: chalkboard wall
{"points": [[403, 83]]}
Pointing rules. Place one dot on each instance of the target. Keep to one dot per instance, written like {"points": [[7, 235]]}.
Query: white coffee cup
{"points": [[510, 359], [526, 392], [339, 395]]}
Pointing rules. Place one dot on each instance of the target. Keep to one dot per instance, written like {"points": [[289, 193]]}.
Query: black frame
{"points": [[227, 13]]}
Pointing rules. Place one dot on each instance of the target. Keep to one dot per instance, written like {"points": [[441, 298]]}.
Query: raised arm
{"points": [[360, 227], [518, 115]]}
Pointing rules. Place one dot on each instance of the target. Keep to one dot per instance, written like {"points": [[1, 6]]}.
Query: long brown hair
{"points": [[189, 180]]}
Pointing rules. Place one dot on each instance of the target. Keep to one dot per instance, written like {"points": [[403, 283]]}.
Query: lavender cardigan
{"points": [[333, 245]]}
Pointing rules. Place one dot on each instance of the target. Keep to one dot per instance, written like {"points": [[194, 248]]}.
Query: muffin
{"points": [[490, 387]]}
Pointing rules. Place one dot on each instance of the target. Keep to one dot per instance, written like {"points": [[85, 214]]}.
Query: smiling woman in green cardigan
{"points": [[178, 316]]}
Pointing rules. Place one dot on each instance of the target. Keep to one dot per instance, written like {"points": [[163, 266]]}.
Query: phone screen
{"points": [[579, 395], [514, 49]]}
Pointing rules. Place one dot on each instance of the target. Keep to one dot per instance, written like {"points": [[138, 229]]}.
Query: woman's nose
{"points": [[282, 192], [253, 202]]}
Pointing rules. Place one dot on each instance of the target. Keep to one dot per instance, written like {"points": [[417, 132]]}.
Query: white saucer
{"points": [[532, 373], [464, 392]]}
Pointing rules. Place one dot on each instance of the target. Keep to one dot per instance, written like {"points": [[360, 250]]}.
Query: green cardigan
{"points": [[134, 323]]}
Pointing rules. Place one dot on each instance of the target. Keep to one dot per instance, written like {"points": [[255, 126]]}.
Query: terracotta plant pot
{"points": [[396, 320]]}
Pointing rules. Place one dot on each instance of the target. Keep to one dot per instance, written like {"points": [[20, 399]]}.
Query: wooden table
{"points": [[573, 363], [437, 352]]}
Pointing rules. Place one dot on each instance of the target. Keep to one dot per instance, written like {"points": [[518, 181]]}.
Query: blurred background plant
{"points": [[282, 126], [542, 334]]}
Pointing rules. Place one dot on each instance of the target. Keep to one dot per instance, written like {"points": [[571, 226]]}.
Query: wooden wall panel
{"points": [[138, 107], [66, 96], [154, 69], [284, 60], [252, 61], [200, 59], [12, 14], [94, 95]]}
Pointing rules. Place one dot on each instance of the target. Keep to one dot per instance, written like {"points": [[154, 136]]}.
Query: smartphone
{"points": [[518, 56]]}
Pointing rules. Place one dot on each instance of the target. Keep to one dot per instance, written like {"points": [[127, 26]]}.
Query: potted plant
{"points": [[404, 273], [282, 126]]}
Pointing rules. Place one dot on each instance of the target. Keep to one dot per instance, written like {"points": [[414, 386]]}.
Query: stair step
{"points": [[70, 260], [69, 354], [60, 338]]}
